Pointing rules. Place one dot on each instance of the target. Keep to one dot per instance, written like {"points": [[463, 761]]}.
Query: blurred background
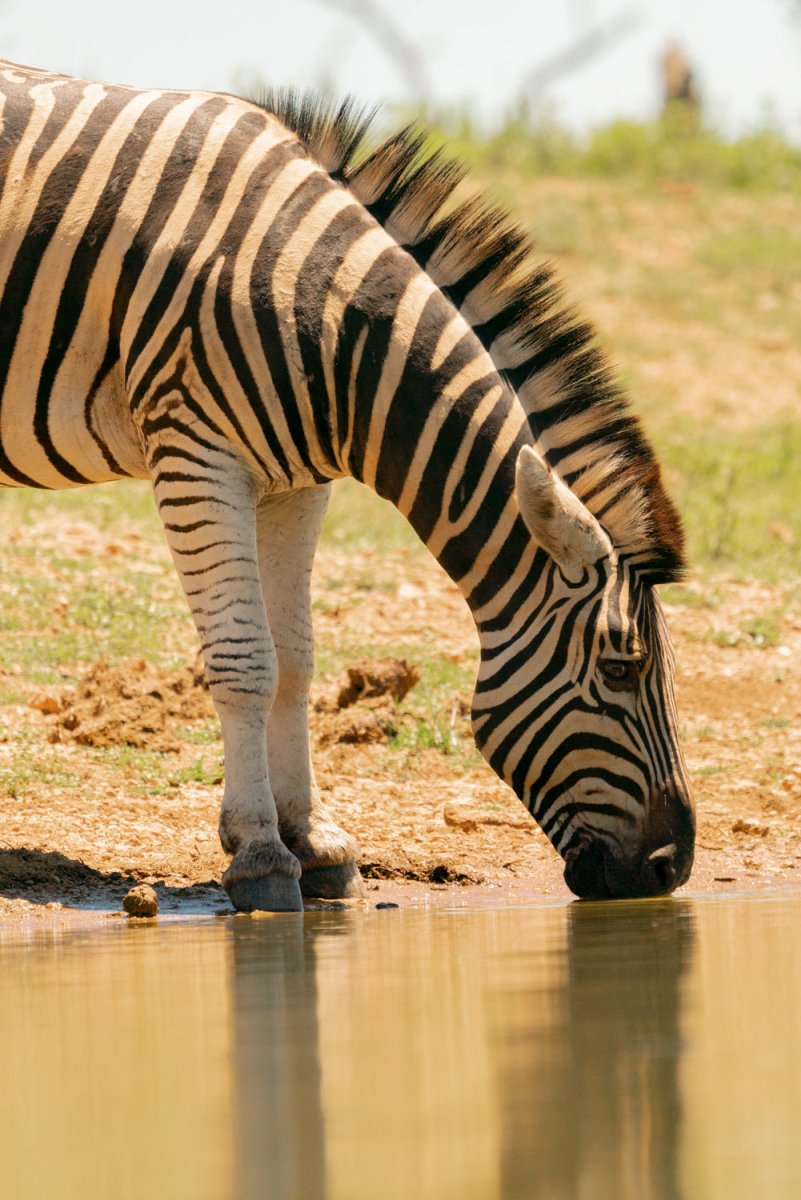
{"points": [[587, 61], [653, 148]]}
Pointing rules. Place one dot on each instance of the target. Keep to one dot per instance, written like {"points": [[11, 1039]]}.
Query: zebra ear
{"points": [[557, 519]]}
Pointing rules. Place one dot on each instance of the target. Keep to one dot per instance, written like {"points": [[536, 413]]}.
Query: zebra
{"points": [[242, 301]]}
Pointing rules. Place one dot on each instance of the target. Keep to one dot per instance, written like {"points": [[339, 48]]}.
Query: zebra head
{"points": [[574, 704]]}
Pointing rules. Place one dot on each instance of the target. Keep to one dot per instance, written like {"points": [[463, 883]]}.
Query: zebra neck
{"points": [[449, 467], [422, 416]]}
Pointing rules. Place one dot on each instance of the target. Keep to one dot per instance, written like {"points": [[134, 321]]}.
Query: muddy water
{"points": [[630, 1051]]}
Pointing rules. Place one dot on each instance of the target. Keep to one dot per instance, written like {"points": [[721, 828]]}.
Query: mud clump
{"points": [[133, 704], [372, 680], [141, 901], [359, 729], [433, 872], [360, 710]]}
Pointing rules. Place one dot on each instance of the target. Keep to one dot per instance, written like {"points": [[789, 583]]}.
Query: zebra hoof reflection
{"points": [[269, 893], [340, 882]]}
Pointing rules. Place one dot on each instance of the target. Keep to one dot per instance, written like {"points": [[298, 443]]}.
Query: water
{"points": [[629, 1050]]}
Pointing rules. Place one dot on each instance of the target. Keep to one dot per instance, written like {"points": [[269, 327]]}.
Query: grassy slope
{"points": [[697, 297]]}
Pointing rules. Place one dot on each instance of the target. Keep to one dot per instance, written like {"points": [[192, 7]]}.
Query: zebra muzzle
{"points": [[593, 872]]}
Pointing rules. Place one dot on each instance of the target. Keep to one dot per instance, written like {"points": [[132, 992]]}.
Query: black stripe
{"points": [[376, 303], [617, 783], [173, 178], [66, 98], [262, 298], [323, 260]]}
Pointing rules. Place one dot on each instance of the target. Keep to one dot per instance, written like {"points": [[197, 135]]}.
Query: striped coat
{"points": [[238, 302]]}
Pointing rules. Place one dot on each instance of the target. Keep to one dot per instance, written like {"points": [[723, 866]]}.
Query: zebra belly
{"points": [[76, 438]]}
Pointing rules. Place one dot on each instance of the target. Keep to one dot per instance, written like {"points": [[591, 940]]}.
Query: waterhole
{"points": [[627, 1050]]}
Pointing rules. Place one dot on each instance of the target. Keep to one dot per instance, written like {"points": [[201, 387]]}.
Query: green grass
{"points": [[441, 734], [357, 519], [674, 147], [35, 769], [739, 495], [127, 504], [49, 624], [147, 770], [60, 608], [771, 258], [776, 723], [201, 771], [713, 769], [682, 597]]}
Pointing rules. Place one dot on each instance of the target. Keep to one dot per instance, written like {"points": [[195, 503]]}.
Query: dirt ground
{"points": [[434, 827]]}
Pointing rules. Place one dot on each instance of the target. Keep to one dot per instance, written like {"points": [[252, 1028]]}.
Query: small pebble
{"points": [[141, 901]]}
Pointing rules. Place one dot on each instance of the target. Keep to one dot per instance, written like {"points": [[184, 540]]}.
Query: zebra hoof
{"points": [[342, 882], [269, 893]]}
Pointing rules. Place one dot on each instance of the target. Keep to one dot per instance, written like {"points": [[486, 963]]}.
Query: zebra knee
{"points": [[241, 684]]}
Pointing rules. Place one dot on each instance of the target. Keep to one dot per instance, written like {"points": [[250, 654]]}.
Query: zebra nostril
{"points": [[659, 870]]}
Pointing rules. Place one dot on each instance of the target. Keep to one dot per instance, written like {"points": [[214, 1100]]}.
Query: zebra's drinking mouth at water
{"points": [[239, 302]]}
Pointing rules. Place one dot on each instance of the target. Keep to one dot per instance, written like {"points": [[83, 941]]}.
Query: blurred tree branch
{"points": [[391, 38], [587, 45]]}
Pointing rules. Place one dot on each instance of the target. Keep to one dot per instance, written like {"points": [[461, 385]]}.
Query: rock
{"points": [[459, 817], [387, 904], [47, 704], [141, 901], [749, 825]]}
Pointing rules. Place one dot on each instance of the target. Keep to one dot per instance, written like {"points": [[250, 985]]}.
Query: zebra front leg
{"points": [[209, 514], [288, 531]]}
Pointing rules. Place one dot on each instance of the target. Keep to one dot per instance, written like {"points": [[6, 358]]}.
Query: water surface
{"points": [[625, 1050]]}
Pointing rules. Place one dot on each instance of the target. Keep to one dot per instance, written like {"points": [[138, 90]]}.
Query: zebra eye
{"points": [[620, 675]]}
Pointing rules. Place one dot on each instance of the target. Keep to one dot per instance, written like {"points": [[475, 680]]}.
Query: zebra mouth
{"points": [[585, 872], [593, 873]]}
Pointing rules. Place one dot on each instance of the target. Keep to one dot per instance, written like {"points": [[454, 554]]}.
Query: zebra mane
{"points": [[489, 267]]}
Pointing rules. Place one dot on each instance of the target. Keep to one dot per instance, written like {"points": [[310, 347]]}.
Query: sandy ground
{"points": [[434, 827]]}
